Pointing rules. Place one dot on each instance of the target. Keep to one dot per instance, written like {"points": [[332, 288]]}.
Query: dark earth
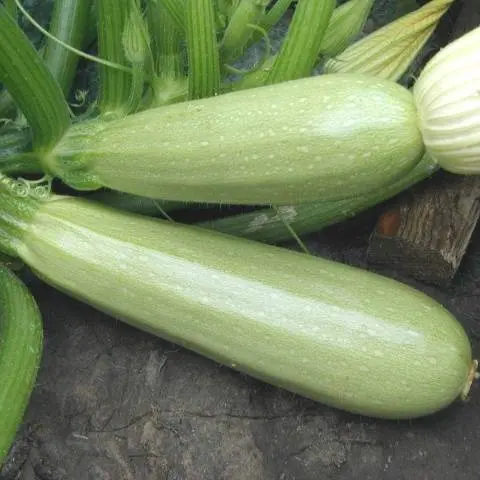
{"points": [[114, 403]]}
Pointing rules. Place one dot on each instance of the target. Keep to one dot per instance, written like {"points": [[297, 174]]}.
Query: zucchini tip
{"points": [[472, 375]]}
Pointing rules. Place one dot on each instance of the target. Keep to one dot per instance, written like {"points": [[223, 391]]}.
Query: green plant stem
{"points": [[169, 84], [203, 56], [69, 24], [136, 46], [239, 29], [176, 10], [269, 20], [347, 22], [115, 84], [298, 54], [257, 78], [333, 38], [267, 225], [26, 77], [261, 76], [167, 38], [275, 14]]}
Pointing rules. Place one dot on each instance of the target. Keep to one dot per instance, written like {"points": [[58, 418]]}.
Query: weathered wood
{"points": [[426, 232]]}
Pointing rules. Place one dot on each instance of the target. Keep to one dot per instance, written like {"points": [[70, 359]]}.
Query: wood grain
{"points": [[427, 232]]}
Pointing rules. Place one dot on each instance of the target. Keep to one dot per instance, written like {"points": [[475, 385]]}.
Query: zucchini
{"points": [[319, 138], [269, 224], [21, 341], [334, 333]]}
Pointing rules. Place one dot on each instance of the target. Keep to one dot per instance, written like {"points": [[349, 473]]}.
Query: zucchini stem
{"points": [[274, 15], [176, 10], [48, 115], [239, 30], [69, 25], [298, 54], [136, 46], [202, 49], [80, 53], [169, 83], [115, 83]]}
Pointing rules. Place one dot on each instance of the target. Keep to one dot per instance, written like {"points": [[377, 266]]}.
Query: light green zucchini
{"points": [[336, 334], [21, 342], [319, 138], [275, 224]]}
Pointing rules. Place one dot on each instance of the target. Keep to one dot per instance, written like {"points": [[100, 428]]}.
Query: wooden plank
{"points": [[426, 233]]}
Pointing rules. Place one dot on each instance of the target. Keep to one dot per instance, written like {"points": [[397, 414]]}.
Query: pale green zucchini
{"points": [[333, 333], [21, 341], [320, 138], [275, 224]]}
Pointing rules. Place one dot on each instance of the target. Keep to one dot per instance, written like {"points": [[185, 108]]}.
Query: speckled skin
{"points": [[319, 138], [334, 333]]}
